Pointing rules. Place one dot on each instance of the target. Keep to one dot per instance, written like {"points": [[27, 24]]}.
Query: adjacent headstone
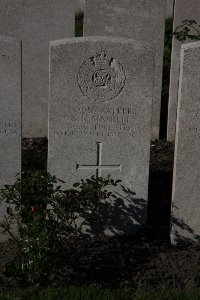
{"points": [[142, 20], [100, 121], [184, 9], [186, 188], [10, 114], [36, 23], [170, 9], [80, 5]]}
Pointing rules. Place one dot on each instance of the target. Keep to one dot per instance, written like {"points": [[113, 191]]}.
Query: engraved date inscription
{"points": [[9, 128]]}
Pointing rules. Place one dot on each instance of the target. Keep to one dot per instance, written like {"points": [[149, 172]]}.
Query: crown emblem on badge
{"points": [[101, 57]]}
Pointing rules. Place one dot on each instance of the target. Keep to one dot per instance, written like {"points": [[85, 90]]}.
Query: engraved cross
{"points": [[98, 167]]}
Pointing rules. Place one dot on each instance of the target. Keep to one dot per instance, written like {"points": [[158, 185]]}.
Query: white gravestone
{"points": [[10, 114], [186, 183], [183, 10], [141, 20], [36, 23], [99, 121]]}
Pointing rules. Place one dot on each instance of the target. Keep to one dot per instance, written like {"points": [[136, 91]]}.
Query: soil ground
{"points": [[146, 259]]}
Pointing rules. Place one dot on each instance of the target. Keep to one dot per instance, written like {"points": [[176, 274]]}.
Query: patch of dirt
{"points": [[146, 259]]}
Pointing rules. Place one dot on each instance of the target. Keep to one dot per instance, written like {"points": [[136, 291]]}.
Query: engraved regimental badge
{"points": [[101, 77]]}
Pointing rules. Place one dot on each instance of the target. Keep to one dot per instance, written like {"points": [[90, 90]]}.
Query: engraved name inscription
{"points": [[9, 128], [96, 121], [101, 77]]}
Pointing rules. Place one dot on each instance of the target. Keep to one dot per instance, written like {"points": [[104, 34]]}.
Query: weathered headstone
{"points": [[10, 113], [186, 188], [100, 119], [141, 20], [183, 10], [36, 23]]}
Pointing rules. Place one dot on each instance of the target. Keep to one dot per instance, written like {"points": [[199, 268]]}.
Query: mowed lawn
{"points": [[95, 293]]}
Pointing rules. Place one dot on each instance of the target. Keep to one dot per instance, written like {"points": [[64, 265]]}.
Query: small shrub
{"points": [[48, 219]]}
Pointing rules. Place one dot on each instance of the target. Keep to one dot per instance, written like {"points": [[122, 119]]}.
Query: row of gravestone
{"points": [[99, 118], [169, 11], [101, 92], [145, 20], [36, 23], [99, 123]]}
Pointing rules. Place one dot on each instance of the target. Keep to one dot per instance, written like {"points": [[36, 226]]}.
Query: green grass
{"points": [[70, 293], [96, 293], [79, 24]]}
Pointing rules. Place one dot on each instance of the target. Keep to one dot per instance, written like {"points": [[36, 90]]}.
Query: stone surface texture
{"points": [[80, 4], [10, 113], [183, 10], [142, 20], [36, 23], [170, 8], [186, 204], [99, 121]]}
